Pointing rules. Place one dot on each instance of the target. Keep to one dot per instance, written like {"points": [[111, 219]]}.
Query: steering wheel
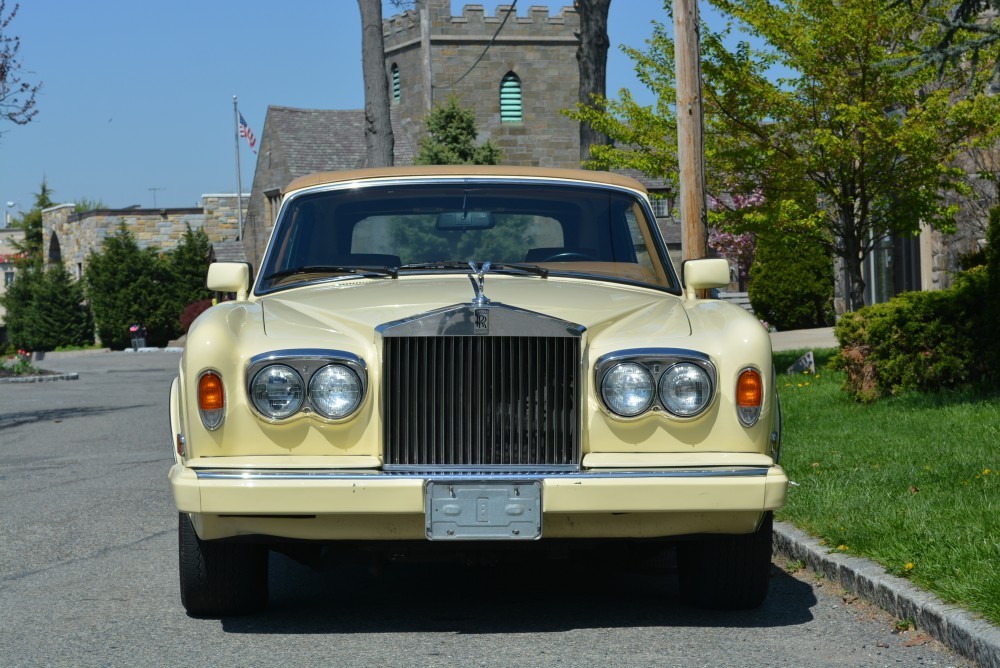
{"points": [[570, 256]]}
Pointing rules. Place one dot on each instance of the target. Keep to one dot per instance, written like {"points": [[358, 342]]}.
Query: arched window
{"points": [[510, 99], [395, 83]]}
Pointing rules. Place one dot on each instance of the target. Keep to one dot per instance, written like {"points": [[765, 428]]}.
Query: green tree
{"points": [[966, 31], [60, 315], [871, 143], [451, 138], [992, 320], [32, 247], [791, 284], [21, 298], [188, 263], [129, 286]]}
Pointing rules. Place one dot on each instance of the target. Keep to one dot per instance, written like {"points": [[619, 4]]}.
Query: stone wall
{"points": [[539, 48], [70, 237]]}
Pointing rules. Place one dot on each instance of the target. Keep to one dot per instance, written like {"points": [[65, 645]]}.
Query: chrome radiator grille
{"points": [[481, 402]]}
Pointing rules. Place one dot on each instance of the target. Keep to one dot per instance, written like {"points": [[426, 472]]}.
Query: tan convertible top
{"points": [[608, 178]]}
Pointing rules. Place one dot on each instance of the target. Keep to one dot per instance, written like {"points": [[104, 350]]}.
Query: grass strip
{"points": [[911, 482]]}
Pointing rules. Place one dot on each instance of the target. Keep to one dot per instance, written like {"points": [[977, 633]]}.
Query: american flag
{"points": [[247, 133]]}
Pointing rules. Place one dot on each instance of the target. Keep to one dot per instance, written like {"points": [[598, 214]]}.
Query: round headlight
{"points": [[335, 391], [685, 389], [276, 391], [627, 389]]}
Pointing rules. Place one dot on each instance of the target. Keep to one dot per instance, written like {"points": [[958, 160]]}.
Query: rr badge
{"points": [[482, 325]]}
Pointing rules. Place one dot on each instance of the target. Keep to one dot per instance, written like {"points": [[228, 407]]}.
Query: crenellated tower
{"points": [[517, 71]]}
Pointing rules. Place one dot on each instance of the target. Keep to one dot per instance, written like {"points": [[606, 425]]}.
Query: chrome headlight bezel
{"points": [[307, 363], [657, 362]]}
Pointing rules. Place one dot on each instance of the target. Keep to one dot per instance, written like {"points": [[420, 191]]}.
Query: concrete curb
{"points": [[971, 637], [39, 379]]}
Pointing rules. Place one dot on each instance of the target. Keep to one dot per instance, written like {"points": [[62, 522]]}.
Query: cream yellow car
{"points": [[479, 358]]}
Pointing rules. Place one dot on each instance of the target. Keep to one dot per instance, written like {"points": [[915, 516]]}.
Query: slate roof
{"points": [[315, 140], [228, 251]]}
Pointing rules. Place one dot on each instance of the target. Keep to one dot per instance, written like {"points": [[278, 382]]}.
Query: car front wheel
{"points": [[727, 572], [218, 578]]}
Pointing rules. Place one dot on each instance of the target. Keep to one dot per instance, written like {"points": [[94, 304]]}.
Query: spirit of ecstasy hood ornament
{"points": [[478, 278]]}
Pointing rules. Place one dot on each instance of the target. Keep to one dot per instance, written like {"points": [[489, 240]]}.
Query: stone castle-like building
{"points": [[517, 72]]}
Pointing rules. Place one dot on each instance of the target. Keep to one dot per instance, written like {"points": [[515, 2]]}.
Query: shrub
{"points": [[991, 322], [916, 341], [132, 286], [192, 311], [127, 285], [791, 284], [46, 310]]}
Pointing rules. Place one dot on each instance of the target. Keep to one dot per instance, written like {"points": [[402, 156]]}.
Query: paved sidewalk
{"points": [[800, 339]]}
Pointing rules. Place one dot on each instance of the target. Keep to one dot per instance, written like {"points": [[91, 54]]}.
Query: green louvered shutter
{"points": [[510, 99], [395, 83]]}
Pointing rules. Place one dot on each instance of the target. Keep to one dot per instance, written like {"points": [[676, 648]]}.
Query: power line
{"points": [[511, 10]]}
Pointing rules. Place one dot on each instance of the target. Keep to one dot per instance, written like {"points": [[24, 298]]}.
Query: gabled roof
{"points": [[314, 140]]}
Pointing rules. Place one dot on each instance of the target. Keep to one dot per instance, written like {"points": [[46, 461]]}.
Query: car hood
{"points": [[354, 308]]}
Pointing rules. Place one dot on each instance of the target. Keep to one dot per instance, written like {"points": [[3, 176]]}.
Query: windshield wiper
{"points": [[525, 268], [442, 264], [496, 266], [333, 269]]}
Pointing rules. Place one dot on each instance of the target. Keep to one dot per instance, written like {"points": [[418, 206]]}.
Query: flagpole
{"points": [[239, 183]]}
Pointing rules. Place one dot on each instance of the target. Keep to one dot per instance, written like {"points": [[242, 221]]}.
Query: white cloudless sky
{"points": [[137, 96]]}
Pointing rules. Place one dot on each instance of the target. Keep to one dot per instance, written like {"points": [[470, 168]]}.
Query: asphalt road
{"points": [[88, 573]]}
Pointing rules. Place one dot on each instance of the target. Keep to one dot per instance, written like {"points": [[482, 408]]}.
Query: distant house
{"points": [[8, 254]]}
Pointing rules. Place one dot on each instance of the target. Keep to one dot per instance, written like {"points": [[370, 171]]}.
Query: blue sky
{"points": [[138, 95]]}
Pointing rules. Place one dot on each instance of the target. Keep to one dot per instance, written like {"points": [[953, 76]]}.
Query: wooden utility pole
{"points": [[690, 144]]}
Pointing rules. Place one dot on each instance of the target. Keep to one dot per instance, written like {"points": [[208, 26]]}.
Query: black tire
{"points": [[727, 572], [219, 579]]}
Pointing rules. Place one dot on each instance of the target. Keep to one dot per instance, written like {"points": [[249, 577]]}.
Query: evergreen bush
{"points": [[922, 341], [60, 316], [987, 334], [791, 283], [127, 286], [132, 286]]}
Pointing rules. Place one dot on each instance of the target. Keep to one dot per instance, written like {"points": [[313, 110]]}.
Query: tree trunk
{"points": [[592, 58], [853, 261], [378, 126]]}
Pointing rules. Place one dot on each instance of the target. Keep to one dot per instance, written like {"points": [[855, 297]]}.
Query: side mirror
{"points": [[229, 277], [705, 275]]}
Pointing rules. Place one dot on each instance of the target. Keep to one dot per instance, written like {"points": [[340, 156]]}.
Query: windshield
{"points": [[389, 231]]}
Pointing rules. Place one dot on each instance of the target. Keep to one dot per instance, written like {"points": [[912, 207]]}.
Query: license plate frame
{"points": [[508, 510]]}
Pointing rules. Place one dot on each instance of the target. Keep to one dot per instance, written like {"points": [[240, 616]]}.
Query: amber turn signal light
{"points": [[211, 399], [749, 396], [210, 395]]}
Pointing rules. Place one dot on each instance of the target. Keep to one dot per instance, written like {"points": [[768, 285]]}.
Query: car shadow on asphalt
{"points": [[8, 420], [534, 597]]}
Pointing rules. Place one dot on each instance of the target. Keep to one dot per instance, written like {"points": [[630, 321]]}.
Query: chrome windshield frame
{"points": [[659, 247]]}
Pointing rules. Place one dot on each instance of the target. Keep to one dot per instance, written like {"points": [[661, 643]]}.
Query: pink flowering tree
{"points": [[737, 247]]}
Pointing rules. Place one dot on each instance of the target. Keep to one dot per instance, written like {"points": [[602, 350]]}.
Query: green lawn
{"points": [[912, 482]]}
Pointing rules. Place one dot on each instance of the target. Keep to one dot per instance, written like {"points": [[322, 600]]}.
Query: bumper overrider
{"points": [[349, 504]]}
